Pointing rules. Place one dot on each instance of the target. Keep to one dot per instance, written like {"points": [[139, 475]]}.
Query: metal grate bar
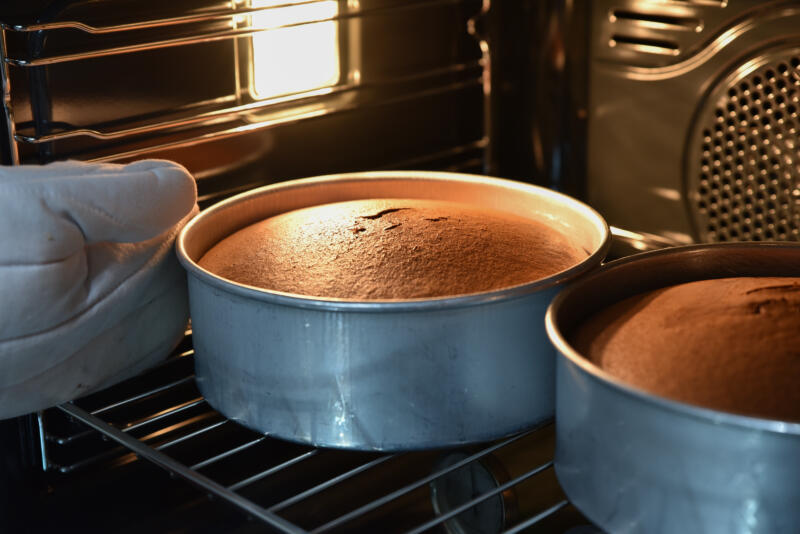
{"points": [[183, 423], [5, 102], [171, 359], [272, 123], [411, 487], [111, 453], [210, 118], [42, 440], [209, 36], [480, 144], [68, 439], [146, 24], [167, 463], [273, 470], [191, 435], [205, 119], [183, 354], [209, 197], [140, 396], [129, 49], [165, 413], [269, 514], [329, 483], [466, 164], [477, 500], [227, 453], [117, 450], [537, 518], [63, 440]]}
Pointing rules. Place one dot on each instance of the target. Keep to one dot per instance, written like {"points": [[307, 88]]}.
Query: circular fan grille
{"points": [[744, 181]]}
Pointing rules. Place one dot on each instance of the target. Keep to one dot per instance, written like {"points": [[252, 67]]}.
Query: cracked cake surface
{"points": [[731, 344], [388, 249]]}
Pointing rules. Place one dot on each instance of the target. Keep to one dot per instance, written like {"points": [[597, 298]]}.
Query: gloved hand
{"points": [[90, 289]]}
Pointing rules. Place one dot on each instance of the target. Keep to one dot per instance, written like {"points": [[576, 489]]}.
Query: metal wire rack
{"points": [[224, 115], [505, 486]]}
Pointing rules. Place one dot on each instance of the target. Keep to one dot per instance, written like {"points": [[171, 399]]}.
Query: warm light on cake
{"points": [[392, 249]]}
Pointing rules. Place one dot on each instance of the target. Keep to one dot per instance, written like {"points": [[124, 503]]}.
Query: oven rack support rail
{"points": [[201, 37], [227, 115], [186, 420]]}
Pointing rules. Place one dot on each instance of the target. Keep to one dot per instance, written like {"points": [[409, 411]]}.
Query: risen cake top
{"points": [[731, 344], [386, 249]]}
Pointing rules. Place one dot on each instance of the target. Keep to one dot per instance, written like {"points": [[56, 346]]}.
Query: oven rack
{"points": [[225, 116], [467, 158], [236, 17], [167, 422], [244, 114], [221, 113]]}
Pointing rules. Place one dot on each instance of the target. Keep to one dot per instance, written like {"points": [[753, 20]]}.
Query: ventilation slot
{"points": [[652, 20], [650, 46]]}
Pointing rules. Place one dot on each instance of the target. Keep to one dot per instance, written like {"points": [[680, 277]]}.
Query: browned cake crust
{"points": [[731, 344], [391, 249]]}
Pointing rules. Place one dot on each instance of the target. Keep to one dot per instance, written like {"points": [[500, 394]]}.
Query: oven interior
{"points": [[251, 92], [248, 93]]}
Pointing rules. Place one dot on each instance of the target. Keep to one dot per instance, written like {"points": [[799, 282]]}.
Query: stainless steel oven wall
{"points": [[694, 117], [538, 105]]}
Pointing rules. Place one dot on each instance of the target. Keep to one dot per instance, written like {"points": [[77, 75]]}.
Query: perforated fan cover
{"points": [[743, 160]]}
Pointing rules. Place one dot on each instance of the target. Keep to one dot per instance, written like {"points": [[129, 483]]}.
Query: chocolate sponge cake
{"points": [[731, 344], [390, 249]]}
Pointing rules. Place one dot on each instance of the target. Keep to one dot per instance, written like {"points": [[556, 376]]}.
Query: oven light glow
{"points": [[298, 58]]}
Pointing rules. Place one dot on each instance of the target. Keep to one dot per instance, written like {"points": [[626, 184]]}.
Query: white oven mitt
{"points": [[91, 292]]}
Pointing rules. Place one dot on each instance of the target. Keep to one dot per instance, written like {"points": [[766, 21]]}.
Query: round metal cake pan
{"points": [[380, 375], [635, 462]]}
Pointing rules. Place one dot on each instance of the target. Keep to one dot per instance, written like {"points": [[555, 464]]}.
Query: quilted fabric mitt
{"points": [[91, 292]]}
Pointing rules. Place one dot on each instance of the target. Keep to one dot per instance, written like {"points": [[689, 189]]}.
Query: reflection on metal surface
{"points": [[667, 193], [506, 491], [625, 242], [295, 57], [449, 491]]}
